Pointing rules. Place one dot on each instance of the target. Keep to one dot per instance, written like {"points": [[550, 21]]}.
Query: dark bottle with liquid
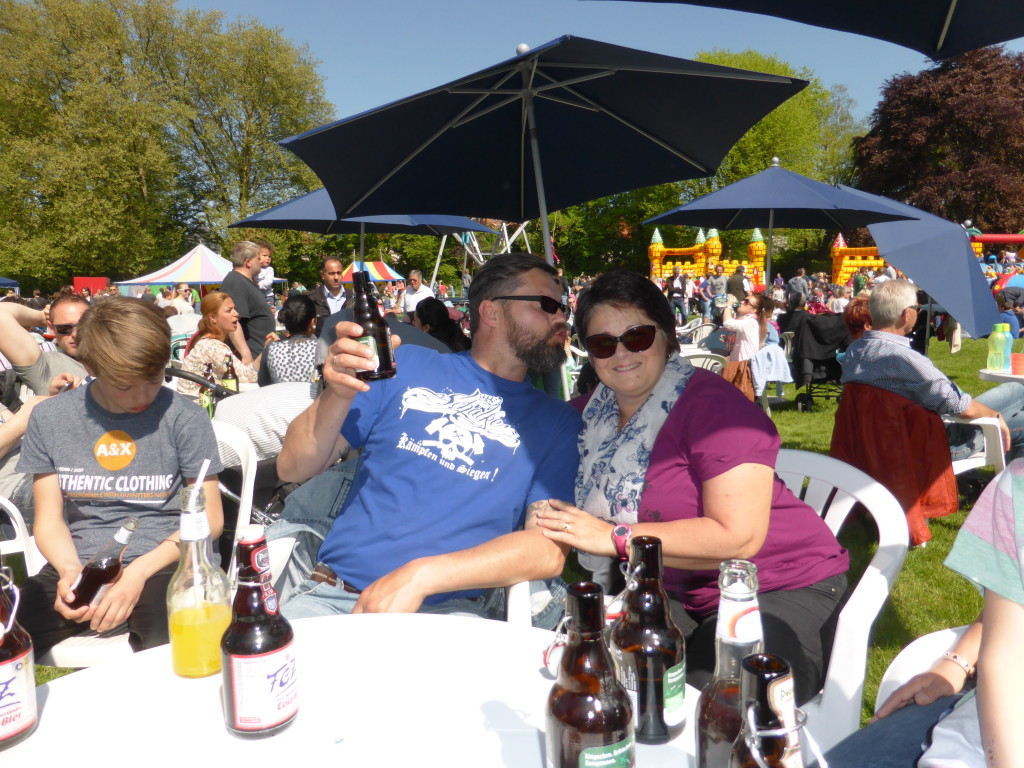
{"points": [[766, 685], [230, 378], [257, 650], [18, 712], [589, 717], [376, 334], [206, 396], [738, 635], [649, 650], [104, 568]]}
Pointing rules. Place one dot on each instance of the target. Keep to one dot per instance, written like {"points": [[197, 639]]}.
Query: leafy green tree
{"points": [[948, 139]]}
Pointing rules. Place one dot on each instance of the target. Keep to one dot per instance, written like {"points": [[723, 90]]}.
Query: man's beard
{"points": [[542, 355]]}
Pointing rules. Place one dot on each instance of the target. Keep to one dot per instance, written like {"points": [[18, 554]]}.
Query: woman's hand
{"points": [[566, 524]]}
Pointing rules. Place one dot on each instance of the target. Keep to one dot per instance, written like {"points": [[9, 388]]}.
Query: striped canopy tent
{"points": [[200, 266], [379, 271]]}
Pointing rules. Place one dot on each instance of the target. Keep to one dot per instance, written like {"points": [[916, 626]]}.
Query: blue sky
{"points": [[372, 52]]}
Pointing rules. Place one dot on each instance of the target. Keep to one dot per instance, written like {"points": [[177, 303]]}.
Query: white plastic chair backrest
{"points": [[706, 360], [833, 488], [21, 543], [701, 332], [236, 448], [917, 657]]}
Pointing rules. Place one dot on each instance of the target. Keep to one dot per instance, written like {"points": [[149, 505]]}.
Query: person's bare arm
{"points": [[15, 424], [53, 537], [736, 506], [976, 410], [945, 677], [518, 556], [15, 342], [237, 337], [1000, 680]]}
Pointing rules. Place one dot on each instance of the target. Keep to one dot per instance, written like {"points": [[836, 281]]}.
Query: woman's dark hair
{"points": [[296, 314], [622, 289], [432, 312]]}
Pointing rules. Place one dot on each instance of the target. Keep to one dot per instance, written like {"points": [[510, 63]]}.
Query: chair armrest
{"points": [[993, 434]]}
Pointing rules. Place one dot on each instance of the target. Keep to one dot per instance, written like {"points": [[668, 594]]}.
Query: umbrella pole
{"points": [[542, 202], [437, 264], [362, 243]]}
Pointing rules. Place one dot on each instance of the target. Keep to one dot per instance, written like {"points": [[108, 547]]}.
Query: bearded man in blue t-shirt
{"points": [[459, 454]]}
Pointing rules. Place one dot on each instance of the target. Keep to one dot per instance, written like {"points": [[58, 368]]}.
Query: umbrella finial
{"points": [[521, 49], [775, 162]]}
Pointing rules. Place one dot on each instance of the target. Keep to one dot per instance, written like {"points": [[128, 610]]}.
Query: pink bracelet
{"points": [[960, 661]]}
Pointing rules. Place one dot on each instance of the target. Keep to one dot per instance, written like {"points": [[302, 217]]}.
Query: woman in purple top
{"points": [[678, 453]]}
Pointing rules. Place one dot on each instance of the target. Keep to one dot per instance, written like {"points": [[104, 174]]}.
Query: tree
{"points": [[948, 140]]}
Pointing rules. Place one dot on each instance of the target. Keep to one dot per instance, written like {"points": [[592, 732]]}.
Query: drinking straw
{"points": [[192, 502]]}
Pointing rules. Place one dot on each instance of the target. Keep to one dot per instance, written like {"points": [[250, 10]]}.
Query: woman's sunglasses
{"points": [[636, 339]]}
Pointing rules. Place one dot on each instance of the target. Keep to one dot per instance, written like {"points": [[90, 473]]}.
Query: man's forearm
{"points": [[313, 439]]}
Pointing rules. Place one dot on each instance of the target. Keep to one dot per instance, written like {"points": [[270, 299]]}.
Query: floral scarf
{"points": [[613, 463]]}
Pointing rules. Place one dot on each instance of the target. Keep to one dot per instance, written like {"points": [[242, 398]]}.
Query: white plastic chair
{"points": [[917, 657], [21, 543], [709, 361], [991, 455], [701, 332], [833, 488]]}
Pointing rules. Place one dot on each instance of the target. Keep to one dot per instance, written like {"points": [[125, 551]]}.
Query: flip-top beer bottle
{"points": [[18, 715], [737, 636], [590, 719], [649, 650], [258, 655], [766, 685], [376, 334], [104, 568], [230, 378]]}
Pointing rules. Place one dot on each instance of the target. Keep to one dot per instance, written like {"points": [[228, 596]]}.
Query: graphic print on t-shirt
{"points": [[458, 433], [114, 452]]}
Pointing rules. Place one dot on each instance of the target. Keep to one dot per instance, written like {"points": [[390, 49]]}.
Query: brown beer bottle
{"points": [[206, 396], [257, 653], [376, 334], [766, 684], [230, 378], [737, 636], [104, 568], [649, 650], [589, 719], [18, 714]]}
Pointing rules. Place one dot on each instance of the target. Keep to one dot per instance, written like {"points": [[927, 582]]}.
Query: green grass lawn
{"points": [[926, 596]]}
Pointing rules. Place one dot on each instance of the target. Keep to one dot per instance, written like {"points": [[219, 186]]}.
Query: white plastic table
{"points": [[987, 374], [375, 690]]}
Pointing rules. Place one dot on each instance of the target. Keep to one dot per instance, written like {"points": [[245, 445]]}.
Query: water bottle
{"points": [[1007, 347], [994, 362]]}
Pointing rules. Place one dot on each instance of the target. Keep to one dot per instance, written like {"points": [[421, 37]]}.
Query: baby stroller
{"points": [[816, 339]]}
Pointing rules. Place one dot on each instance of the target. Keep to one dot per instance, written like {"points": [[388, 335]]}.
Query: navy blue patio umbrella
{"points": [[936, 254], [940, 29], [606, 119], [776, 197], [314, 212]]}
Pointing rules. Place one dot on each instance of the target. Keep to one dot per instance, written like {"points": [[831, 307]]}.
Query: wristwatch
{"points": [[620, 538]]}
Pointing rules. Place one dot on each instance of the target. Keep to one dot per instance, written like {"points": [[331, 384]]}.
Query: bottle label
{"points": [[782, 699], [739, 621], [194, 526], [264, 689], [675, 694], [371, 343], [17, 696], [621, 754]]}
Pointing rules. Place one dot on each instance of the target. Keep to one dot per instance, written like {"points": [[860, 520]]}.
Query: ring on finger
{"points": [[566, 528]]}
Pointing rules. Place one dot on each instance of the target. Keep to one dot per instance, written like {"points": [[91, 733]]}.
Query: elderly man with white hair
{"points": [[883, 358]]}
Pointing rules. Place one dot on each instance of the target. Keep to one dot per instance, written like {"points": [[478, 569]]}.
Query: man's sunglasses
{"points": [[549, 305], [636, 339], [65, 329]]}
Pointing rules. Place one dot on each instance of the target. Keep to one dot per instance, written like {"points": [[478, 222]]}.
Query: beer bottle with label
{"points": [[198, 597], [258, 655], [649, 650], [230, 379], [376, 334], [18, 714], [102, 569], [589, 717], [766, 685], [206, 397], [738, 635]]}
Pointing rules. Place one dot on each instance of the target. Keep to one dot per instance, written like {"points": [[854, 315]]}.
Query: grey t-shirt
{"points": [[717, 285], [50, 363], [115, 465], [254, 314]]}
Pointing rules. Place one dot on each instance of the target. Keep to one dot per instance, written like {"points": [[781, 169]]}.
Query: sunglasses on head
{"points": [[65, 329], [636, 339], [549, 305]]}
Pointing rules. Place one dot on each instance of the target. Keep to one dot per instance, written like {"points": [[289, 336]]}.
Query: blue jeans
{"points": [[679, 305], [892, 742], [1008, 399]]}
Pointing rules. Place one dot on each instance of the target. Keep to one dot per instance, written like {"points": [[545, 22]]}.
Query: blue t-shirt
{"points": [[1010, 318], [452, 457]]}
